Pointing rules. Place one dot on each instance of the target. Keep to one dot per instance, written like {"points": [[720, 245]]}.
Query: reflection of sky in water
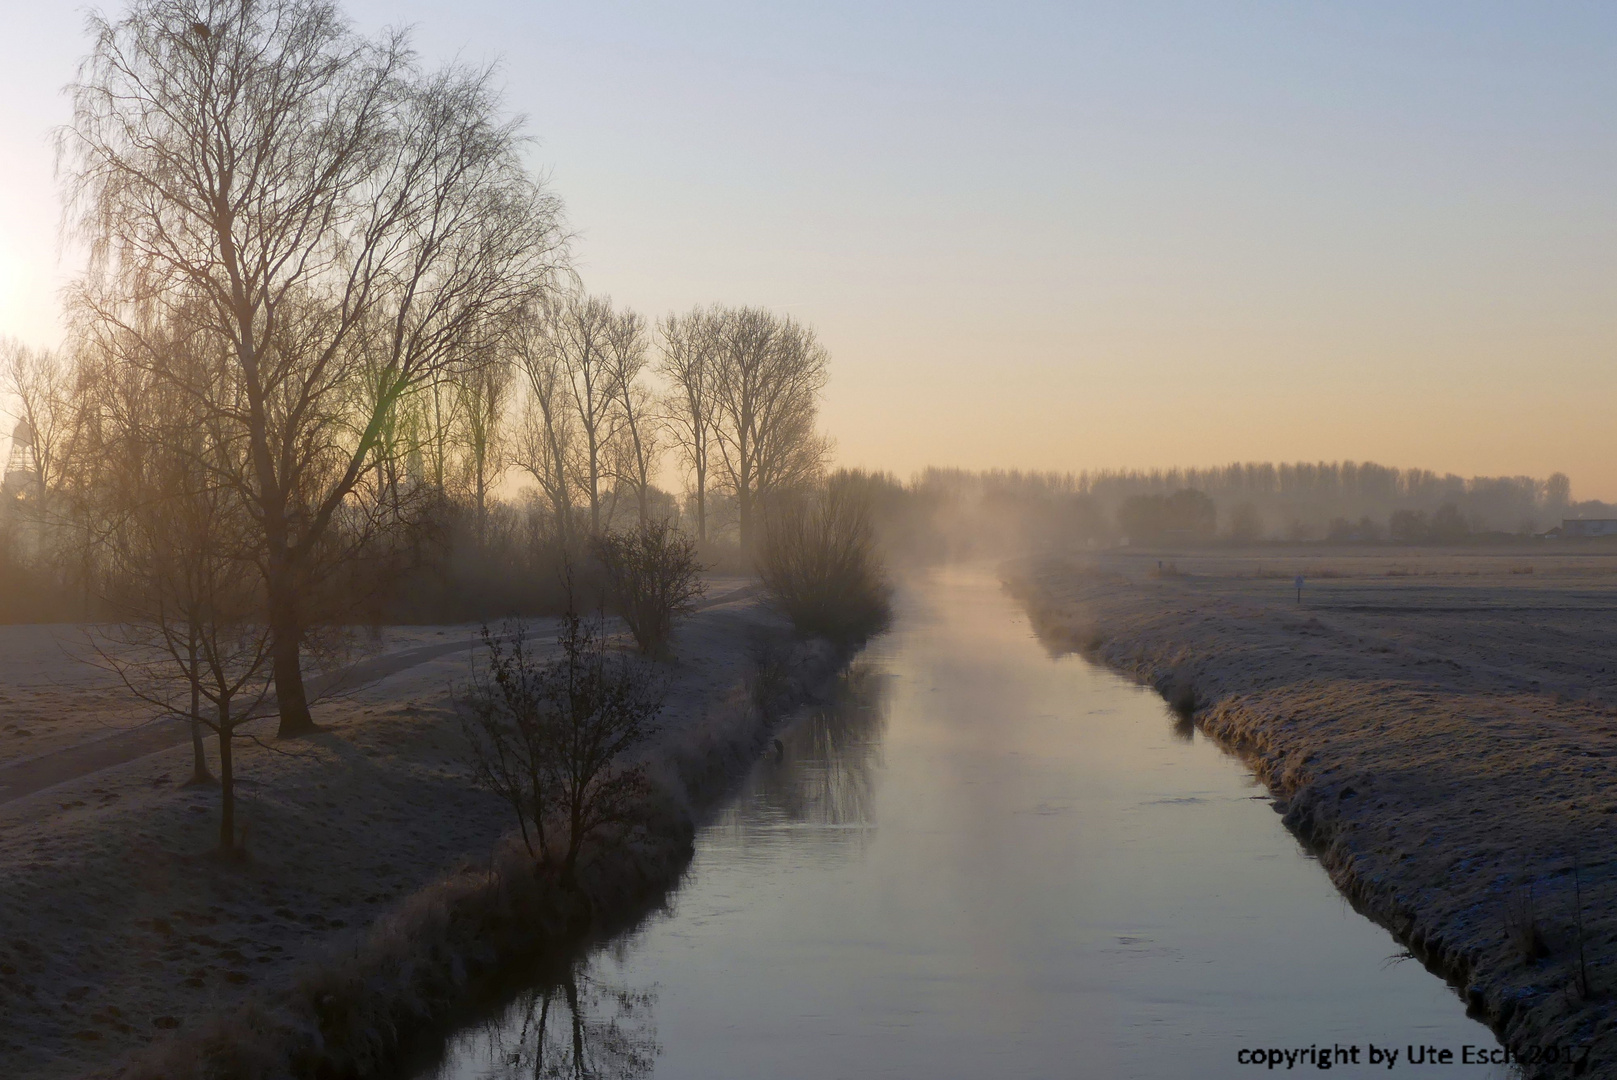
{"points": [[983, 862]]}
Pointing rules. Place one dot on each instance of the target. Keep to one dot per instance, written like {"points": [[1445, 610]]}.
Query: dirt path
{"points": [[23, 778]]}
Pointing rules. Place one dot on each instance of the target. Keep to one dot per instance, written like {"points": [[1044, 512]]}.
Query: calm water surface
{"points": [[984, 862]]}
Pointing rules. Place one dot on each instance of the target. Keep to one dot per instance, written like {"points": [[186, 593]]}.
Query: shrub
{"points": [[555, 739], [767, 684], [1521, 926], [448, 563], [653, 578], [820, 567]]}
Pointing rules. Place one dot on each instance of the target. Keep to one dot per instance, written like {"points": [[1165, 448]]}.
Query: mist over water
{"points": [[982, 860]]}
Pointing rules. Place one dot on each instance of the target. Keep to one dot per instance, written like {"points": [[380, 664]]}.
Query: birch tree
{"points": [[576, 330], [485, 395], [626, 353], [545, 440], [688, 364]]}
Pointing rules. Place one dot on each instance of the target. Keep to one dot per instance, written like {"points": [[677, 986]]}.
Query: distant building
{"points": [[1588, 527], [21, 523], [21, 475]]}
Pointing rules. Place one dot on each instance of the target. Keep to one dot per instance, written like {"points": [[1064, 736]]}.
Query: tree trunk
{"points": [[744, 515], [199, 755], [575, 844], [537, 811], [701, 509], [642, 467], [563, 500], [287, 633], [482, 506], [595, 491], [227, 785]]}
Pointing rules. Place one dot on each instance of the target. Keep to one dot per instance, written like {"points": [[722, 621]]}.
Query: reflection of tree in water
{"points": [[577, 1028], [825, 772]]}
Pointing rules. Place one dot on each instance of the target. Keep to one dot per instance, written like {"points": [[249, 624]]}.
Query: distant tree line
{"points": [[1310, 501], [946, 512]]}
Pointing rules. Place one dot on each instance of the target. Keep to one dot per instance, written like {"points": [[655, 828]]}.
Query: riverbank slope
{"points": [[366, 839], [1440, 726]]}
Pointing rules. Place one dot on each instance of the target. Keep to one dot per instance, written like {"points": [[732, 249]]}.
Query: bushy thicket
{"points": [[651, 578], [554, 739], [456, 565], [820, 565]]}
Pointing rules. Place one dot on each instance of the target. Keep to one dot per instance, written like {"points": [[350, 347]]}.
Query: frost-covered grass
{"points": [[370, 900], [1444, 736]]}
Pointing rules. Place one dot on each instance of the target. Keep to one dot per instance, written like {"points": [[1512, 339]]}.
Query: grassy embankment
{"points": [[1439, 728], [371, 914]]}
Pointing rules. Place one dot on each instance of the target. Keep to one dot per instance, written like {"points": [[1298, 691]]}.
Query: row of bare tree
{"points": [[743, 388], [326, 295]]}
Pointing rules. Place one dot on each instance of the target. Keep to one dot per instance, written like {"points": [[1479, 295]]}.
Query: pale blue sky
{"points": [[1066, 236]]}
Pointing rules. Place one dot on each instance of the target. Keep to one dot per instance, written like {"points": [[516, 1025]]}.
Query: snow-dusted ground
{"points": [[115, 923], [51, 693], [56, 692], [1442, 725]]}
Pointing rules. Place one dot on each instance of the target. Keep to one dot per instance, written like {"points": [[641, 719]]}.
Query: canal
{"points": [[982, 861]]}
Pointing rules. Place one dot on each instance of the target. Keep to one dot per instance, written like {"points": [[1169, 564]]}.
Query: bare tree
{"points": [[328, 211], [546, 438], [820, 564], [191, 629], [485, 395], [440, 411], [689, 365], [576, 329], [653, 579], [770, 373], [639, 428], [398, 441], [191, 632], [554, 739]]}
